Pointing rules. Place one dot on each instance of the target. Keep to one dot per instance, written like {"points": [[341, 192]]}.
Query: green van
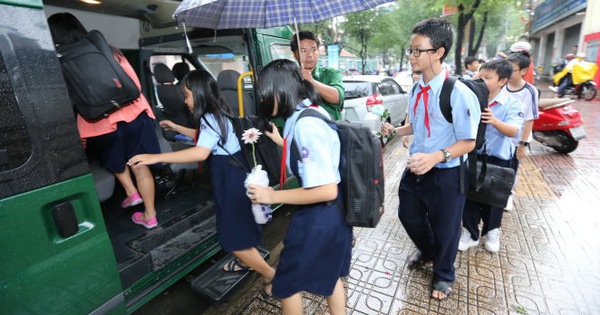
{"points": [[66, 246]]}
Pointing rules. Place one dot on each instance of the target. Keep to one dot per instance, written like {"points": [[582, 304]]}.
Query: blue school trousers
{"points": [[431, 209]]}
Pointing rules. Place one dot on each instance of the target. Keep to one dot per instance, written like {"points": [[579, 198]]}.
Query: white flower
{"points": [[251, 135]]}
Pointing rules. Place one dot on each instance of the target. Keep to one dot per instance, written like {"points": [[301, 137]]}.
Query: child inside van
{"points": [[121, 135], [504, 117], [237, 231], [317, 246]]}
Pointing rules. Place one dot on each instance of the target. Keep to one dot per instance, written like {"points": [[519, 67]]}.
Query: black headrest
{"points": [[163, 74], [180, 69], [227, 79]]}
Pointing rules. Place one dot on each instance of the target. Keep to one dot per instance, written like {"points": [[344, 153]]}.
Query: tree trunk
{"points": [[472, 26], [481, 31], [463, 19], [460, 36]]}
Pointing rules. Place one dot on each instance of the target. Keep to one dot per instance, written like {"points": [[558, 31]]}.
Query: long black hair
{"points": [[207, 99], [66, 29], [281, 82]]}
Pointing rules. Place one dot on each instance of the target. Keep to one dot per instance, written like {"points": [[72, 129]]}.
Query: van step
{"points": [[215, 283]]}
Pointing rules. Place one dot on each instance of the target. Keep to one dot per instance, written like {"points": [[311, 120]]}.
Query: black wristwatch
{"points": [[524, 143], [447, 156]]}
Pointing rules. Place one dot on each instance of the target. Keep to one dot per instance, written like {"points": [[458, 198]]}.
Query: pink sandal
{"points": [[148, 223], [131, 201]]}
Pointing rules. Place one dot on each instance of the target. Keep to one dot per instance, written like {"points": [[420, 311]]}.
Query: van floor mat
{"points": [[215, 283], [175, 248]]}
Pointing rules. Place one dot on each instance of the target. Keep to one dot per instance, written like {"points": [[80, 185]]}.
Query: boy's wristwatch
{"points": [[524, 143], [447, 156]]}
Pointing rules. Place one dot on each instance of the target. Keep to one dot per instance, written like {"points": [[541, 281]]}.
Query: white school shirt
{"points": [[528, 95], [319, 147], [209, 138]]}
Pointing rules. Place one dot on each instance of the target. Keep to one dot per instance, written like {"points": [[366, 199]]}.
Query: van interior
{"points": [[148, 36]]}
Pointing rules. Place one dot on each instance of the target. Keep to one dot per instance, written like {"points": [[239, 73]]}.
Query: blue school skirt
{"points": [[317, 251], [235, 223], [131, 138]]}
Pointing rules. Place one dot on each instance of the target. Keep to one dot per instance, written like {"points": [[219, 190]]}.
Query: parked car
{"points": [[405, 80], [365, 91]]}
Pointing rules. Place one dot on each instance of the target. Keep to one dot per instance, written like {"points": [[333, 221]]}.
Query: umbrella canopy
{"points": [[231, 14]]}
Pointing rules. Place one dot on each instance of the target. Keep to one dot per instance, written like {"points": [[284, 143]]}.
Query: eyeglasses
{"points": [[417, 52]]}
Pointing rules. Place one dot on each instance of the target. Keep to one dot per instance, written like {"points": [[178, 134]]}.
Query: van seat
{"points": [[227, 82], [171, 96], [104, 181]]}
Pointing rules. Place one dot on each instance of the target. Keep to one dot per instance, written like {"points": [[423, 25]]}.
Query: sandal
{"points": [[443, 287], [415, 260], [263, 293], [235, 265]]}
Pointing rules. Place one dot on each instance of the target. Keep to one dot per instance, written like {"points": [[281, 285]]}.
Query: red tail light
{"points": [[373, 100]]}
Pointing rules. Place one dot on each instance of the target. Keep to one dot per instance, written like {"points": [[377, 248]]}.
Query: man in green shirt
{"points": [[327, 81]]}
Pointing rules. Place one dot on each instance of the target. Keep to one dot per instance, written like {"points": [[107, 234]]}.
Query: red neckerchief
{"points": [[424, 91]]}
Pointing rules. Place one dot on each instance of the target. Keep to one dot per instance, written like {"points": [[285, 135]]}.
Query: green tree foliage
{"points": [[361, 26]]}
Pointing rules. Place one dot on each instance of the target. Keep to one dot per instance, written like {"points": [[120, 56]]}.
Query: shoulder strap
{"points": [[100, 42], [445, 105], [309, 113], [237, 161]]}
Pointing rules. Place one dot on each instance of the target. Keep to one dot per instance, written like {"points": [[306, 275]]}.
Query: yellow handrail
{"points": [[240, 91]]}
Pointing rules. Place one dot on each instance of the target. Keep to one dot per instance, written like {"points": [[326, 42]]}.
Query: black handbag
{"points": [[493, 183]]}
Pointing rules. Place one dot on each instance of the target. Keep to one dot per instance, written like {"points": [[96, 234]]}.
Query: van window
{"points": [[15, 145], [215, 63], [281, 51]]}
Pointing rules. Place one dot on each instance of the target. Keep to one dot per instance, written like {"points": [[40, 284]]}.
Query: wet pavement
{"points": [[549, 256]]}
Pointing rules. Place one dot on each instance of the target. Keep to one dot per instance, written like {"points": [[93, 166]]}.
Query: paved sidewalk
{"points": [[549, 257]]}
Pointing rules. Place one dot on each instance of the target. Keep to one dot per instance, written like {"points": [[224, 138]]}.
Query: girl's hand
{"points": [[167, 125], [259, 194], [274, 135], [488, 117], [143, 159]]}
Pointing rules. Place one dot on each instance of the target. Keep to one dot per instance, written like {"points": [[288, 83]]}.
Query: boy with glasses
{"points": [[431, 200]]}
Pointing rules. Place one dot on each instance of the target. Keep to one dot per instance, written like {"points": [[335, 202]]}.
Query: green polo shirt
{"points": [[333, 78]]}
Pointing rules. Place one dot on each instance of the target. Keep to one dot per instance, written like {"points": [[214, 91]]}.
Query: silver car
{"points": [[365, 91]]}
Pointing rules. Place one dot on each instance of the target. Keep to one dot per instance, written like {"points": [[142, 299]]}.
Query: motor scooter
{"points": [[559, 125], [586, 90]]}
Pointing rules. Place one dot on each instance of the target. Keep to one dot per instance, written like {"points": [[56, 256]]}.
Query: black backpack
{"points": [[97, 83], [361, 171], [266, 151]]}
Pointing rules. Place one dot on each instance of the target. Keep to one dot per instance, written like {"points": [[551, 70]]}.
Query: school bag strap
{"points": [[236, 162]]}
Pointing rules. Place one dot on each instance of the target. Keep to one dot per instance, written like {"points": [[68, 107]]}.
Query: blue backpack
{"points": [[361, 170]]}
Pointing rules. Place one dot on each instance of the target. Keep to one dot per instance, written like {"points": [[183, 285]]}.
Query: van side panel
{"points": [[55, 254], [42, 272]]}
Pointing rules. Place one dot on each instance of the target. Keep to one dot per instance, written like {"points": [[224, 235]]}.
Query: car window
{"points": [[15, 145], [386, 88], [356, 89], [396, 87]]}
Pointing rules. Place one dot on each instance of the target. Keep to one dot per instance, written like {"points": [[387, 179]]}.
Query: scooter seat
{"points": [[547, 103]]}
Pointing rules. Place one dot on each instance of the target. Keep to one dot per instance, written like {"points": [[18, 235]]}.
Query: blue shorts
{"points": [[114, 149]]}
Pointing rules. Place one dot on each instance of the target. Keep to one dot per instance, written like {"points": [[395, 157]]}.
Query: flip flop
{"points": [[263, 293], [415, 260], [444, 287], [235, 265]]}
